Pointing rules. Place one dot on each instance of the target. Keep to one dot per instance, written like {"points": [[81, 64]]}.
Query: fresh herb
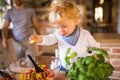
{"points": [[92, 67]]}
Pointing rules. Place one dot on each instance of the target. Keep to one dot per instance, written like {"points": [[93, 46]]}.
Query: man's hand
{"points": [[5, 43]]}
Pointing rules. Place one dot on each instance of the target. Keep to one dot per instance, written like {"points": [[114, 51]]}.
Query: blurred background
{"points": [[97, 15], [100, 17]]}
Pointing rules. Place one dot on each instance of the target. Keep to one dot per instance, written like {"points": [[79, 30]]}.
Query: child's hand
{"points": [[35, 38]]}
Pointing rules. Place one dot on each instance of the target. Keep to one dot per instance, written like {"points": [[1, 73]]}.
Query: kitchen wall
{"points": [[111, 43], [114, 51]]}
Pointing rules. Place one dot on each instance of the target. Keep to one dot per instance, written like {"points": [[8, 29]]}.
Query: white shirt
{"points": [[85, 40]]}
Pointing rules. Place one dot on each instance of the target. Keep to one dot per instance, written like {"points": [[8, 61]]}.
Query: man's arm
{"points": [[5, 33], [37, 26]]}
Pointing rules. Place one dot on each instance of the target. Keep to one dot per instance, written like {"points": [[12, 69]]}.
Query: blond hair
{"points": [[64, 10]]}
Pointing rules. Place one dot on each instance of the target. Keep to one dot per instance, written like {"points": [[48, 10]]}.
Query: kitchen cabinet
{"points": [[89, 13]]}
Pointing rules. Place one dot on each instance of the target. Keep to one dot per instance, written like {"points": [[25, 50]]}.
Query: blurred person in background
{"points": [[24, 23]]}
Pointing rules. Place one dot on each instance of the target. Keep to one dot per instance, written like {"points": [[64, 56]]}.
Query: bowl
{"points": [[19, 66]]}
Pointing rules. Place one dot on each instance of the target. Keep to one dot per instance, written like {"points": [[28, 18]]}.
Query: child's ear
{"points": [[76, 21]]}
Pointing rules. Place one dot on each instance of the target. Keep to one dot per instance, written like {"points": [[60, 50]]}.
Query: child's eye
{"points": [[64, 26]]}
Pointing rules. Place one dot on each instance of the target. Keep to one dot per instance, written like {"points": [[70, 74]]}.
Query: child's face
{"points": [[66, 27]]}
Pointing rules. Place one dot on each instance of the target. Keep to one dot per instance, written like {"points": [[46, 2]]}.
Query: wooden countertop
{"points": [[108, 40], [107, 37]]}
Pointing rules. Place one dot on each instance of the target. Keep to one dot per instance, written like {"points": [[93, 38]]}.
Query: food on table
{"points": [[32, 75]]}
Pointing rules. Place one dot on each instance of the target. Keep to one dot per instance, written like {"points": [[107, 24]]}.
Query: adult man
{"points": [[23, 20]]}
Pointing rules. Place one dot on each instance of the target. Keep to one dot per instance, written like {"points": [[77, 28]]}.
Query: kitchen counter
{"points": [[107, 37], [108, 40]]}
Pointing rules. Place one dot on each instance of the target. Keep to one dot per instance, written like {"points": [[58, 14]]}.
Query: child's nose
{"points": [[62, 31]]}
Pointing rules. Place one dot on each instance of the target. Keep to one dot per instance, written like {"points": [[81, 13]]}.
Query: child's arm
{"points": [[43, 39], [35, 38]]}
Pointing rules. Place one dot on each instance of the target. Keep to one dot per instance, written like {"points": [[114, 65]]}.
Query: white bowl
{"points": [[19, 66]]}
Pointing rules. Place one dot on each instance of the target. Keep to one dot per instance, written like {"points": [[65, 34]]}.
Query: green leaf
{"points": [[73, 55], [101, 57], [68, 51], [89, 60], [90, 49], [99, 51], [104, 53], [67, 59]]}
